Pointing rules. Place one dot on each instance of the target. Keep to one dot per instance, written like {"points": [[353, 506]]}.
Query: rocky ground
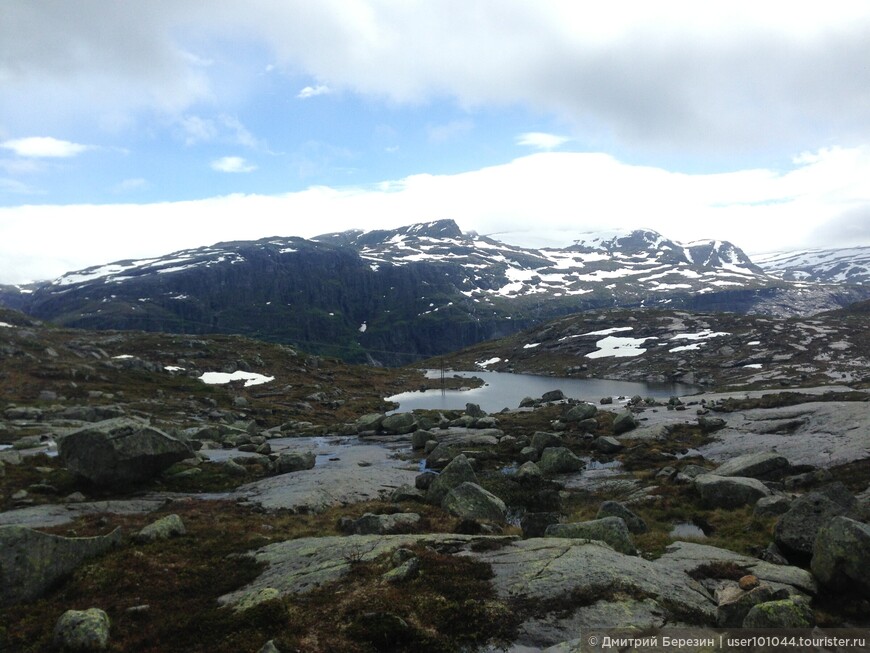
{"points": [[144, 510]]}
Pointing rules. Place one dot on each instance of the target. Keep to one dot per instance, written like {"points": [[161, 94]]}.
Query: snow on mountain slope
{"points": [[841, 266]]}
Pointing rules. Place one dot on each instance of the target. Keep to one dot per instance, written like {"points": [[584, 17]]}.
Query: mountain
{"points": [[847, 265], [394, 296]]}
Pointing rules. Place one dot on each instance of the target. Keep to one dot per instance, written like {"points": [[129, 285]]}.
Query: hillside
{"points": [[392, 297]]}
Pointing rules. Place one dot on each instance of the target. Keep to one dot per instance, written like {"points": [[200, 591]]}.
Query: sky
{"points": [[135, 129]]}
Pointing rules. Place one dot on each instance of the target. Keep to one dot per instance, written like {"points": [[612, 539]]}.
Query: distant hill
{"points": [[846, 266], [395, 296]]}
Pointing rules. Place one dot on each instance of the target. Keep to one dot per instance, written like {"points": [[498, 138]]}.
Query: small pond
{"points": [[505, 390]]}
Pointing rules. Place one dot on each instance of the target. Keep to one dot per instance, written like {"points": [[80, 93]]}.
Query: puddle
{"points": [[594, 465], [687, 531]]}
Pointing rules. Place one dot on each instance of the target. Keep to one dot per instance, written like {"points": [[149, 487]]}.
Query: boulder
{"points": [[634, 523], [269, 647], [162, 529], [369, 422], [607, 444], [32, 561], [772, 506], [580, 412], [528, 472], [610, 530], [294, 461], [470, 501], [543, 439], [553, 395], [399, 423], [792, 612], [128, 454], [407, 492], [459, 471], [841, 555], [82, 630], [624, 422], [766, 466], [371, 524], [420, 438], [535, 524], [795, 531], [729, 491], [559, 460], [735, 605], [474, 410], [712, 424]]}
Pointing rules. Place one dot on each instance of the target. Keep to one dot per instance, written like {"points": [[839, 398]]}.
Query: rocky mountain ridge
{"points": [[393, 296], [848, 265]]}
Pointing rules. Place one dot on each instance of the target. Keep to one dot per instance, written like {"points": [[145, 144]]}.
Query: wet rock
{"points": [[470, 501], [624, 422], [606, 400], [792, 612], [162, 529], [32, 561], [729, 491], [370, 422], [634, 523], [127, 454], [841, 555], [82, 630], [611, 530], [552, 396], [766, 466], [459, 471], [795, 531], [399, 423], [559, 460], [294, 461]]}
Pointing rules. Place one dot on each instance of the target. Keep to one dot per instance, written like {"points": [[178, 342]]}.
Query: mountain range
{"points": [[395, 296]]}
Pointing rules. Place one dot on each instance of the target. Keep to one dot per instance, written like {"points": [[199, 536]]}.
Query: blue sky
{"points": [[136, 129]]}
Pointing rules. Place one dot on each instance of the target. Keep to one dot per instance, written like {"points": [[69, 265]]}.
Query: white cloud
{"points": [[313, 91], [232, 164], [44, 147], [541, 140], [449, 131], [541, 199], [130, 185]]}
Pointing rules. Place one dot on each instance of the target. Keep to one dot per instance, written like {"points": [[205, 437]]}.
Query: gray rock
{"points": [[634, 523], [371, 524], [795, 531], [420, 438], [474, 410], [528, 454], [772, 506], [767, 466], [269, 647], [233, 468], [784, 613], [729, 491], [841, 555], [82, 630], [543, 439], [162, 529], [712, 424], [31, 561], [580, 412], [369, 422], [294, 461], [689, 473], [128, 454], [459, 471], [424, 480], [607, 444], [534, 524], [735, 607], [406, 571], [611, 530], [553, 395], [399, 423], [407, 492], [527, 402], [624, 422], [470, 501], [559, 460], [528, 472]]}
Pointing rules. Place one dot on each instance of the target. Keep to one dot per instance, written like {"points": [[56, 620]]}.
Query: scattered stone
{"points": [[607, 444], [420, 438], [732, 610], [527, 402], [399, 423], [470, 501], [82, 630], [729, 491], [371, 524], [474, 410], [634, 523], [424, 480], [406, 571], [689, 473], [543, 439], [32, 561], [772, 506], [624, 422], [407, 492], [233, 468], [162, 529], [606, 400], [841, 555], [288, 462], [528, 454], [766, 466], [712, 424], [792, 612], [528, 472], [795, 531], [580, 412], [369, 422], [611, 530], [456, 473]]}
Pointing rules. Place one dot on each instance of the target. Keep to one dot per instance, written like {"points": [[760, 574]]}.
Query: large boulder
{"points": [[624, 422], [369, 422], [294, 461], [766, 466], [32, 561], [634, 523], [459, 471], [795, 531], [371, 524], [610, 530], [580, 412], [162, 529], [128, 454], [543, 439], [841, 555], [559, 460], [729, 491], [82, 630], [792, 612], [553, 395], [470, 501], [399, 423]]}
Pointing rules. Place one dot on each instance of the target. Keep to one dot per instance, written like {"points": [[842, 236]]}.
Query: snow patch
{"points": [[619, 347], [173, 368], [363, 327], [220, 378], [487, 363], [5, 324], [701, 335], [532, 345]]}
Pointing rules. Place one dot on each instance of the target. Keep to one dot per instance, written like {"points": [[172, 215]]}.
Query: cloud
{"points": [[313, 91], [130, 185], [232, 164], [15, 187], [541, 140], [449, 131], [223, 128], [542, 199], [44, 147]]}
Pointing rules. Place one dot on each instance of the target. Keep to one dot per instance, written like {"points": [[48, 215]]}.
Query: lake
{"points": [[505, 390]]}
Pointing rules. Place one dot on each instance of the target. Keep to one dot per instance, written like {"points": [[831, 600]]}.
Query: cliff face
{"points": [[393, 297]]}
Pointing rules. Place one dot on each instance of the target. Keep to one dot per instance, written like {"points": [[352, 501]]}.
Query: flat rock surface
{"points": [[58, 514]]}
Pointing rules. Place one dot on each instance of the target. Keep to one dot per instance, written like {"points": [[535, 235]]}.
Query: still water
{"points": [[505, 390]]}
